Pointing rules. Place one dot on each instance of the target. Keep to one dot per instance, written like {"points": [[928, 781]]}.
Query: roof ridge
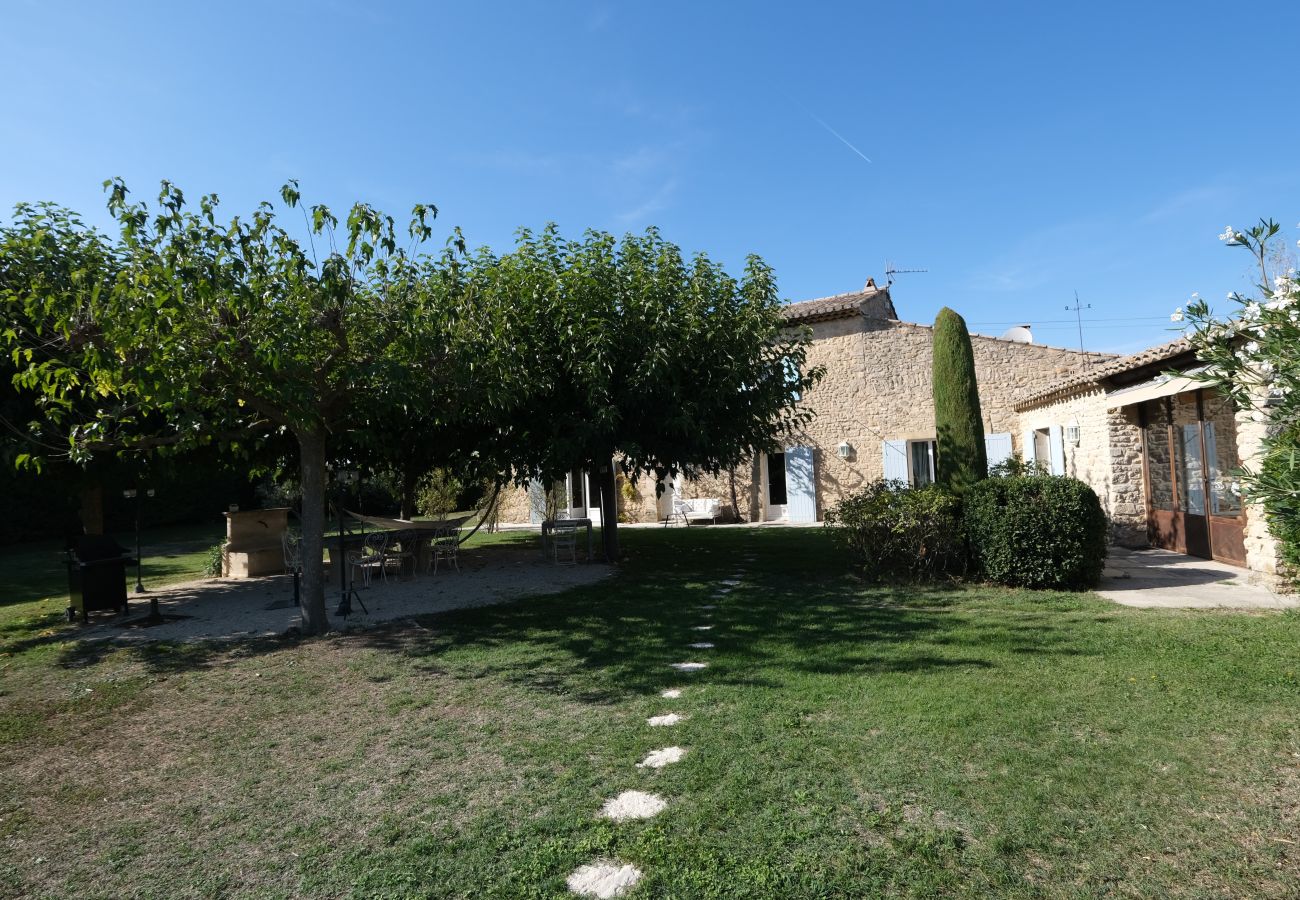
{"points": [[989, 337], [1158, 353], [875, 289]]}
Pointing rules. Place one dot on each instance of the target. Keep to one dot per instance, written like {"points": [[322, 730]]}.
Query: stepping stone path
{"points": [[633, 805], [604, 878], [666, 719], [660, 758]]}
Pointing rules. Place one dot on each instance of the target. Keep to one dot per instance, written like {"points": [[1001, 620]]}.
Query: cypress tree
{"points": [[962, 459]]}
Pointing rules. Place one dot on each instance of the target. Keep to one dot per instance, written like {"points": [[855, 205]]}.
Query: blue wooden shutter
{"points": [[800, 486], [1056, 443], [997, 447], [896, 461]]}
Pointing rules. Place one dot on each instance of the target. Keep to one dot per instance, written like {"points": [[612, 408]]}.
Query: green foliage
{"points": [[1277, 486], [439, 493], [630, 349], [186, 332], [1038, 531], [1016, 465], [895, 531], [1251, 356], [962, 458], [214, 560]]}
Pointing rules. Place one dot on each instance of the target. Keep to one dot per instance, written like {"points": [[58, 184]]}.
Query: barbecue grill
{"points": [[96, 576]]}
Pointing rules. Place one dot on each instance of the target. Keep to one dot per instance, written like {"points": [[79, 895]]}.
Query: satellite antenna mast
{"points": [[890, 272], [1078, 309]]}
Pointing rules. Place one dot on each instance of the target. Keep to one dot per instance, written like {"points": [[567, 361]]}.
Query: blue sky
{"points": [[1018, 152]]}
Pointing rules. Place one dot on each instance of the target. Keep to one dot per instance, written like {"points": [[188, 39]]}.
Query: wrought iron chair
{"points": [[370, 558], [292, 545], [405, 540], [445, 544]]}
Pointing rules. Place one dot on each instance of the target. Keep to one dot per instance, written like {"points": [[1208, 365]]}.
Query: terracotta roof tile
{"points": [[841, 306], [1100, 373]]}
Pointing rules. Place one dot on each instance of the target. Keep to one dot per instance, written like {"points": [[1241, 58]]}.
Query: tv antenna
{"points": [[890, 272], [1078, 309]]}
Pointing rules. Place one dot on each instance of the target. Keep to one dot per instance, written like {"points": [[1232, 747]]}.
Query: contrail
{"points": [[841, 137]]}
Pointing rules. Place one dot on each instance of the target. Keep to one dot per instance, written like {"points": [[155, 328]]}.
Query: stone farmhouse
{"points": [[1157, 450]]}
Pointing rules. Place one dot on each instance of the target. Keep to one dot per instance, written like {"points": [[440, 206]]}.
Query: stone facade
{"points": [[1107, 455], [877, 388]]}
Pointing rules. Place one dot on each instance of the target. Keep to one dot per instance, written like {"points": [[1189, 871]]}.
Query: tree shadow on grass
{"points": [[797, 612], [792, 615]]}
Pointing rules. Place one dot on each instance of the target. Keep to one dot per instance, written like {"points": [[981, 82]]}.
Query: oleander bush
{"points": [[897, 532], [1037, 531]]}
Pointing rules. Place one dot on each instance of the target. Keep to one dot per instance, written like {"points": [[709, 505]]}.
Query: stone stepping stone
{"points": [[690, 666], [605, 878], [671, 693], [633, 805], [657, 759], [701, 645], [707, 606], [664, 720], [732, 582], [701, 628]]}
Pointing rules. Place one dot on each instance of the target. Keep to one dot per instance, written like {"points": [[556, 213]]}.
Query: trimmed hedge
{"points": [[1039, 531], [894, 531]]}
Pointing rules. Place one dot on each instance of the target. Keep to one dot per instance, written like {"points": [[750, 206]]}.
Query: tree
{"points": [[213, 332], [638, 360], [1252, 358], [962, 458]]}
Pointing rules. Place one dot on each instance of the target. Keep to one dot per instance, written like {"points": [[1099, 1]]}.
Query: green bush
{"points": [[1040, 531], [1277, 487], [894, 531]]}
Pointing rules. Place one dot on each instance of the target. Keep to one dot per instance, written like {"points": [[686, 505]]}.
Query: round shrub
{"points": [[894, 531], [1040, 531]]}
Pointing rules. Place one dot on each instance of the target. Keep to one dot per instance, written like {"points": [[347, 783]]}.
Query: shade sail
{"points": [[1165, 385]]}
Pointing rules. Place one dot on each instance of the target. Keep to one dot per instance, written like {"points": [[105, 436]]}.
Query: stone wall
{"points": [[1107, 457]]}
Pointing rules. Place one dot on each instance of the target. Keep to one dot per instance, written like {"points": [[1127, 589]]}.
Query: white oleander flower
{"points": [[1177, 315], [1229, 235]]}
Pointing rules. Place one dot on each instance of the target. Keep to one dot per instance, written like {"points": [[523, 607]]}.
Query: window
{"points": [[920, 462]]}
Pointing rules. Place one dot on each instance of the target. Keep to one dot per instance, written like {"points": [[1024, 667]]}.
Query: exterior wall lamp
{"points": [[845, 450]]}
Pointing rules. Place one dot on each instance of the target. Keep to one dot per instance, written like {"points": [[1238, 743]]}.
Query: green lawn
{"points": [[846, 741]]}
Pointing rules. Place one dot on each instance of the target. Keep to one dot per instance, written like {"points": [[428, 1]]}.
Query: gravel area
{"points": [[227, 608]]}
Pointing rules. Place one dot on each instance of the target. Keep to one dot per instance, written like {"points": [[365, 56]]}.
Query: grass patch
{"points": [[846, 740]]}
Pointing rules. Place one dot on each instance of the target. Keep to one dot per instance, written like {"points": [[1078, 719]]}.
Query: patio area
{"points": [[230, 608], [1160, 578]]}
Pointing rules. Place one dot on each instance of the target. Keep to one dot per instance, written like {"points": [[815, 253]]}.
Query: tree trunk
{"points": [[608, 510], [312, 447], [92, 509], [409, 480]]}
